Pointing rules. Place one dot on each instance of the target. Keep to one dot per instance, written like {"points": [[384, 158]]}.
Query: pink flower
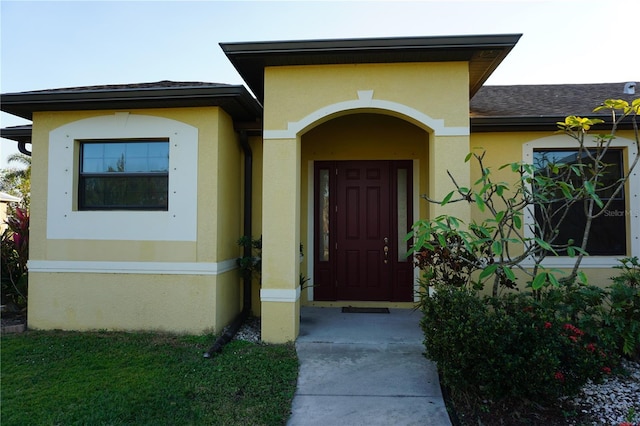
{"points": [[547, 324], [606, 370], [575, 330], [591, 347], [559, 376]]}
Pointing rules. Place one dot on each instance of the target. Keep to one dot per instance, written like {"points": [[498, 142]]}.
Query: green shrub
{"points": [[511, 346], [14, 253], [622, 319]]}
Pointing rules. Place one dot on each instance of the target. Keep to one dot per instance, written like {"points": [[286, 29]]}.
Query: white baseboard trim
{"points": [[149, 268], [279, 295]]}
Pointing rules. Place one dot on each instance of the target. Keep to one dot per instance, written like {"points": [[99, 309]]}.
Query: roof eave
{"points": [[236, 100], [17, 133], [483, 52], [537, 123]]}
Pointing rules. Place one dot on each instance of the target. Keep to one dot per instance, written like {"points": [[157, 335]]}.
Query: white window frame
{"points": [[65, 221], [632, 200]]}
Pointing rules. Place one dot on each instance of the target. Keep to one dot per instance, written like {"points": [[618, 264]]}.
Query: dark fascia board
{"points": [[17, 133], [537, 123], [483, 52], [235, 100]]}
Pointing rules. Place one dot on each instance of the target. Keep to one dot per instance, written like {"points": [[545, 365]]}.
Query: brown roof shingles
{"points": [[164, 84], [544, 100]]}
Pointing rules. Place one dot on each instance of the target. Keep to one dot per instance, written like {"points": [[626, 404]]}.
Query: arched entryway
{"points": [[365, 129], [365, 171]]}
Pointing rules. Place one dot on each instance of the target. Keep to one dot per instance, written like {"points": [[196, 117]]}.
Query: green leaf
{"points": [[579, 250], [447, 198], [496, 248], [488, 271], [539, 281], [576, 170], [588, 186], [553, 280], [468, 157], [565, 190], [517, 222], [545, 245], [500, 216], [509, 273], [582, 277], [479, 202]]}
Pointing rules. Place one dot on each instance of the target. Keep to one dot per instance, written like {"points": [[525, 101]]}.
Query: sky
{"points": [[53, 44]]}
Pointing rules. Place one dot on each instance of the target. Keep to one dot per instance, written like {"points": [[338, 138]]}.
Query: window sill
{"points": [[590, 262]]}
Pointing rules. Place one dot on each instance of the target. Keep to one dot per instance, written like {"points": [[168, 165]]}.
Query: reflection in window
{"points": [[124, 175]]}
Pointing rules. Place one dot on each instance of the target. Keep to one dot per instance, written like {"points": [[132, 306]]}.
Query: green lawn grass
{"points": [[104, 378]]}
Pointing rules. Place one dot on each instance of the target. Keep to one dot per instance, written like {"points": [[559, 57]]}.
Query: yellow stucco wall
{"points": [[218, 184], [439, 90], [182, 302]]}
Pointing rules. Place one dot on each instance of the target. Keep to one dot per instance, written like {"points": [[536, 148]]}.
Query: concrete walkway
{"points": [[364, 369]]}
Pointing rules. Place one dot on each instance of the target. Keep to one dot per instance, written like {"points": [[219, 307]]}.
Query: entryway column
{"points": [[280, 292], [447, 153]]}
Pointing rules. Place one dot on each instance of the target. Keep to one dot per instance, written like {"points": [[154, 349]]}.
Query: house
{"points": [[5, 200], [140, 192]]}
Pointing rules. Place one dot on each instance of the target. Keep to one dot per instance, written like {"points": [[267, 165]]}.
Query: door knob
{"points": [[386, 250]]}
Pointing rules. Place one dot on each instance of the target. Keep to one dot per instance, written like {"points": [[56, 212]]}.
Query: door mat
{"points": [[353, 310]]}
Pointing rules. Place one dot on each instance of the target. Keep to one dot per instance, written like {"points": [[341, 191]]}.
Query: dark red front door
{"points": [[357, 231]]}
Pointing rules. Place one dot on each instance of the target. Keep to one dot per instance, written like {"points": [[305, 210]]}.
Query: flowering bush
{"points": [[513, 346], [14, 250]]}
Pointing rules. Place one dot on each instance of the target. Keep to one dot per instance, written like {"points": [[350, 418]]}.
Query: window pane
{"points": [[323, 209], [608, 232], [125, 157], [124, 175], [114, 150], [143, 192], [612, 161], [158, 164], [113, 164], [93, 150], [92, 165], [137, 150], [136, 165]]}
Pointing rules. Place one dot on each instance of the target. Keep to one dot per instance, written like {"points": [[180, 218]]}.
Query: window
{"points": [[608, 232], [124, 175]]}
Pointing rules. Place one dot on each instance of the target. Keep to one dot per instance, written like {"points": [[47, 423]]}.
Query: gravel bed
{"points": [[250, 331], [614, 401]]}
